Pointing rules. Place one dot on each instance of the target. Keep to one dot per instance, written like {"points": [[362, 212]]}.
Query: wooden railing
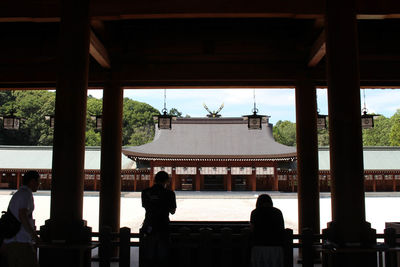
{"points": [[218, 245]]}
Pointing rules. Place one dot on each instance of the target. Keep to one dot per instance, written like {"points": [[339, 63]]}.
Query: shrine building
{"points": [[215, 154]]}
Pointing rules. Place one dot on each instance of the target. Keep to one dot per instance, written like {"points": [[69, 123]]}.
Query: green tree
{"points": [[94, 108], [31, 107], [174, 112], [323, 137], [34, 105], [394, 134], [138, 122], [92, 138], [379, 135], [285, 133]]}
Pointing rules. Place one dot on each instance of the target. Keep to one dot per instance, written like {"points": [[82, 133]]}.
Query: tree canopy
{"points": [[138, 123], [33, 106], [386, 132]]}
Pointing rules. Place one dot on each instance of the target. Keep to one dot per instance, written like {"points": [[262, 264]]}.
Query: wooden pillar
{"points": [[18, 179], [95, 182], [110, 166], [393, 183], [276, 180], [201, 181], [69, 138], [134, 182], [197, 186], [348, 226], [253, 180], [373, 183], [151, 180], [229, 180], [173, 179], [307, 156]]}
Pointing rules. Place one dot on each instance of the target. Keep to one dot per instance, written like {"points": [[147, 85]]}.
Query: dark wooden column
{"points": [[197, 181], [134, 182], [229, 180], [69, 138], [151, 179], [110, 166], [18, 179], [95, 182], [276, 180], [253, 180], [348, 226], [173, 179], [307, 156], [70, 118]]}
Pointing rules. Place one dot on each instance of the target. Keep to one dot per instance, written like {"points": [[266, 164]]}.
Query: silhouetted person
{"points": [[159, 202], [268, 234], [20, 251]]}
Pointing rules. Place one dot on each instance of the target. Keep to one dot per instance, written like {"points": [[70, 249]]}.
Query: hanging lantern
{"points": [[367, 120], [99, 121], [254, 121], [11, 122], [321, 121], [51, 120], [164, 121]]}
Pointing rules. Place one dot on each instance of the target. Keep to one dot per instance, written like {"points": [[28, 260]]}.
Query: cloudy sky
{"points": [[277, 103]]}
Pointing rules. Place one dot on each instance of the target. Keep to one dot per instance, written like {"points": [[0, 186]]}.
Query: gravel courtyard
{"points": [[217, 206]]}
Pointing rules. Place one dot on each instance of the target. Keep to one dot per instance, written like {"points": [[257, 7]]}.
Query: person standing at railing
{"points": [[268, 227], [158, 202], [20, 251]]}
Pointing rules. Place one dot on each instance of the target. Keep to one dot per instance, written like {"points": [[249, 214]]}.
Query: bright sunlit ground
{"points": [[218, 206]]}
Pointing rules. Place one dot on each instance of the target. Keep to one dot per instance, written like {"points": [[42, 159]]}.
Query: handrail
{"points": [[309, 243]]}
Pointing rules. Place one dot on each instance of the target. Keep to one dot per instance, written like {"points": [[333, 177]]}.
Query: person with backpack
{"points": [[19, 249]]}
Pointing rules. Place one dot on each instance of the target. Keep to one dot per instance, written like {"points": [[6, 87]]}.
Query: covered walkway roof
{"points": [[40, 157]]}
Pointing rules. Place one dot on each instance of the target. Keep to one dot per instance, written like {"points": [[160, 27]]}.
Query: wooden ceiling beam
{"points": [[98, 51], [318, 50], [49, 10]]}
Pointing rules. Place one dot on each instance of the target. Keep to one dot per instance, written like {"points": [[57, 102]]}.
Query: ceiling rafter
{"points": [[98, 51], [318, 50]]}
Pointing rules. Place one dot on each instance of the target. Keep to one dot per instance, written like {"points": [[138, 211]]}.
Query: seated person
{"points": [[268, 234]]}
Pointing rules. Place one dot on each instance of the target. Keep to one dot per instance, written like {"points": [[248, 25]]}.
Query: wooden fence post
{"points": [[125, 247], [184, 250], [226, 249], [105, 247], [288, 248], [245, 234], [205, 250], [390, 241], [307, 248]]}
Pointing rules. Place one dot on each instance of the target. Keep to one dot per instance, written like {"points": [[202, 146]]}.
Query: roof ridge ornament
{"points": [[213, 114]]}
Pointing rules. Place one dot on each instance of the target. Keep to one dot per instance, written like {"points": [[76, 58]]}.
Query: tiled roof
{"points": [[40, 157], [212, 138]]}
